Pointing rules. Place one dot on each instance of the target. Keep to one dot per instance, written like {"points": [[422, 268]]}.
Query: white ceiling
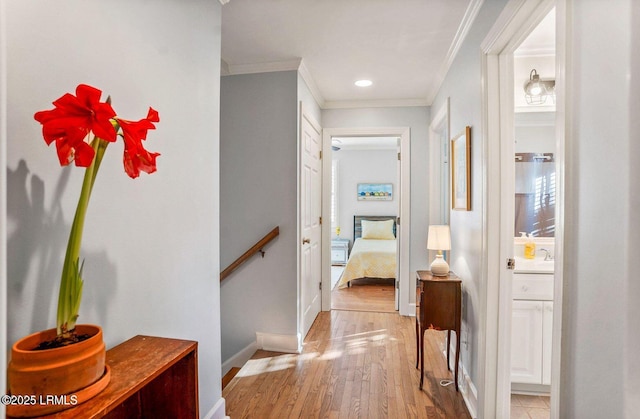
{"points": [[542, 40], [404, 46]]}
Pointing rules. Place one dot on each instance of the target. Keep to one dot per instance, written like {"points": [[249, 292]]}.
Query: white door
{"points": [[310, 212]]}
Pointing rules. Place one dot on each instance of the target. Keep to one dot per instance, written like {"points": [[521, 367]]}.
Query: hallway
{"points": [[354, 364]]}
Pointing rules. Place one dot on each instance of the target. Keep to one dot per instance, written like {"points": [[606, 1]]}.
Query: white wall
{"points": [[258, 191], [417, 119], [364, 166], [151, 244], [309, 102], [535, 132], [600, 324], [3, 203], [632, 292], [535, 139], [463, 86]]}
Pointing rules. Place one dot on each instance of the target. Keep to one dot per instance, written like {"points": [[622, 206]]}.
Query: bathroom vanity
{"points": [[532, 321]]}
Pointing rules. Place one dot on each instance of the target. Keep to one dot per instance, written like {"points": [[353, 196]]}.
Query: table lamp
{"points": [[439, 239]]}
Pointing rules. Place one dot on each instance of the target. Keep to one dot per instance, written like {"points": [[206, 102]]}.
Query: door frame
{"points": [[439, 163], [517, 20], [406, 308]]}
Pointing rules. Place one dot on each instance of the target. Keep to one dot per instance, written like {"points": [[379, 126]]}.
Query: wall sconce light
{"points": [[536, 90]]}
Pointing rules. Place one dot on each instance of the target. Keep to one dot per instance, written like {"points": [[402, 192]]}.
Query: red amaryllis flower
{"points": [[71, 121], [70, 125], [136, 158]]}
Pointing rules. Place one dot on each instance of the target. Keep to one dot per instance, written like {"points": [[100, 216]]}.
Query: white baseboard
{"points": [[239, 359], [465, 385], [279, 343], [217, 411], [469, 393]]}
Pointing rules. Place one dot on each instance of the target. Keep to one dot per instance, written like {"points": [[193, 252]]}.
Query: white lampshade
{"points": [[439, 239]]}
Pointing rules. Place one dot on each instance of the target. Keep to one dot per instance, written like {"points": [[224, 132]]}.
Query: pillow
{"points": [[377, 230]]}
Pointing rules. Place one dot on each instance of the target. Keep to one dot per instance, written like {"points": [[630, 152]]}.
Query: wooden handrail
{"points": [[255, 249]]}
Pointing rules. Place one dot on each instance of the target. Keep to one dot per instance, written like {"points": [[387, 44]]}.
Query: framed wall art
{"points": [[461, 171], [375, 191]]}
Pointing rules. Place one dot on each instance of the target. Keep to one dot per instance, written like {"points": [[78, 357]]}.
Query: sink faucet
{"points": [[547, 255]]}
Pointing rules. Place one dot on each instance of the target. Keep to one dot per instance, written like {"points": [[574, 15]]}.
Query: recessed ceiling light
{"points": [[364, 83]]}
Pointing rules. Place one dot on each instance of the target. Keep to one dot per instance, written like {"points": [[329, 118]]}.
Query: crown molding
{"points": [[291, 65], [235, 69], [391, 103], [224, 68], [311, 84], [535, 52], [465, 25]]}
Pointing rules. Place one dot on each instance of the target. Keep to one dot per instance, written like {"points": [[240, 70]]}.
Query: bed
{"points": [[374, 250]]}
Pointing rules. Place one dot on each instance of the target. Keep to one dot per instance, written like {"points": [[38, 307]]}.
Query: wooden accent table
{"points": [[439, 307], [151, 377]]}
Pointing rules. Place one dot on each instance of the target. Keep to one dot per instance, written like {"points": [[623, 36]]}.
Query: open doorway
{"points": [[365, 195], [508, 257], [535, 217], [403, 219]]}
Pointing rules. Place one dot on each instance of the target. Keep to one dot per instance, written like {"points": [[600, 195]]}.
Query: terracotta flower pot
{"points": [[47, 373]]}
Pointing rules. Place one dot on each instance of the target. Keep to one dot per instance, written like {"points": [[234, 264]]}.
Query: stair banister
{"points": [[254, 249]]}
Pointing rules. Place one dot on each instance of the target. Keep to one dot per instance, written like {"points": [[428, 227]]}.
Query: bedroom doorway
{"points": [[378, 167]]}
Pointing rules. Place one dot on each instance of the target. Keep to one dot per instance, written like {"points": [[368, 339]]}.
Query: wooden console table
{"points": [[151, 377], [439, 307]]}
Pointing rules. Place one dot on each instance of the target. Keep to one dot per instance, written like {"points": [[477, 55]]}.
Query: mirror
{"points": [[535, 171], [535, 194]]}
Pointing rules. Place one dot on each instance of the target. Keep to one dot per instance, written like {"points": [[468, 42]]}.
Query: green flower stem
{"points": [[71, 282]]}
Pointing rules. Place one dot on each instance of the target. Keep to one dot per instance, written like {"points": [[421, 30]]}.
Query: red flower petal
{"points": [[136, 158], [84, 154], [73, 117], [152, 115], [139, 160]]}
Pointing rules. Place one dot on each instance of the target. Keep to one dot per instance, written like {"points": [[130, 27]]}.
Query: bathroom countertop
{"points": [[533, 266]]}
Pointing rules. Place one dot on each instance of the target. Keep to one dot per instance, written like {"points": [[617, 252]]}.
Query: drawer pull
{"points": [[525, 288]]}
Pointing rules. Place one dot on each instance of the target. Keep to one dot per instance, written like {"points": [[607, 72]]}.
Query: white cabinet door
{"points": [[547, 332], [526, 342]]}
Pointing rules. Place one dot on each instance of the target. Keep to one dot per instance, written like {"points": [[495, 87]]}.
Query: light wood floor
{"points": [[366, 294], [353, 365]]}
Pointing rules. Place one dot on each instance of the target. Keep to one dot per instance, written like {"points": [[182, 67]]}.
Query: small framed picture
{"points": [[375, 191]]}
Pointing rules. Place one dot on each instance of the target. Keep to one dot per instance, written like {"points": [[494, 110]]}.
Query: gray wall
{"points": [[632, 362], [150, 244], [417, 119], [258, 191], [364, 166], [600, 343], [462, 85]]}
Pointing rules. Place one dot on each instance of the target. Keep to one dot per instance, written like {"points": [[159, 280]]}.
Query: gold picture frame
{"points": [[461, 171]]}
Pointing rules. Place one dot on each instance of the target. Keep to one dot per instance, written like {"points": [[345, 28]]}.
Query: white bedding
{"points": [[370, 259]]}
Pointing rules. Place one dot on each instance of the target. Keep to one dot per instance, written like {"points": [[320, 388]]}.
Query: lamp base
{"points": [[439, 266]]}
